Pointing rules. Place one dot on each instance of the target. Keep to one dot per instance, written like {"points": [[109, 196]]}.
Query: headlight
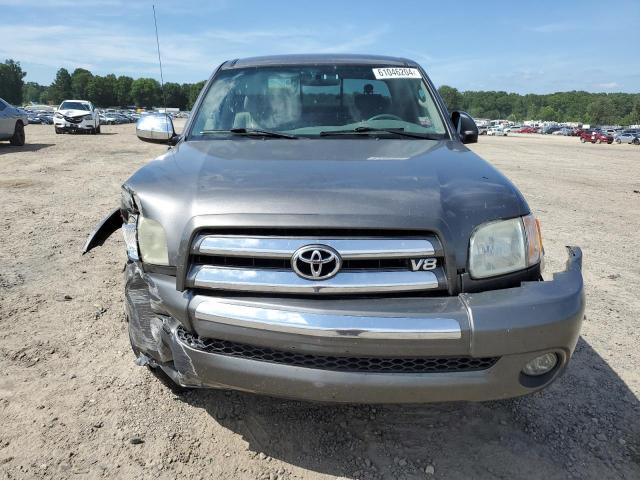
{"points": [[87, 117], [505, 246], [152, 242], [58, 115], [145, 238]]}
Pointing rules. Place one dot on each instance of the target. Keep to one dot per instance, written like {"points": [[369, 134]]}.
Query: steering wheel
{"points": [[385, 116]]}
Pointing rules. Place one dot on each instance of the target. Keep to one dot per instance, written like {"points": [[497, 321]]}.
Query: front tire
{"points": [[636, 141], [19, 137]]}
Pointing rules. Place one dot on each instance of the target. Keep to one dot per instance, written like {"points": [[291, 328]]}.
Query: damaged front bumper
{"points": [[380, 350]]}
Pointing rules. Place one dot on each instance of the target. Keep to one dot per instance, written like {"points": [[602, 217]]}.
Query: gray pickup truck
{"points": [[319, 231]]}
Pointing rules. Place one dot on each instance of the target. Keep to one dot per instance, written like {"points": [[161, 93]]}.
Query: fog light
{"points": [[541, 365]]}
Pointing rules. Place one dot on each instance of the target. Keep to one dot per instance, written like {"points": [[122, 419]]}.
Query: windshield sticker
{"points": [[384, 73]]}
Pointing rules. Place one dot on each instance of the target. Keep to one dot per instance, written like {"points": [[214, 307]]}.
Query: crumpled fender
{"points": [[104, 230]]}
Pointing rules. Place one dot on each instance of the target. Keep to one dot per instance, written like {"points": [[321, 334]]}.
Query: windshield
{"points": [[74, 106], [314, 101]]}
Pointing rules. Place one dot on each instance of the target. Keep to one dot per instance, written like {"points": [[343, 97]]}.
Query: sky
{"points": [[517, 46]]}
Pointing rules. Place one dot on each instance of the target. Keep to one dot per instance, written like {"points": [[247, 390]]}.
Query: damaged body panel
{"points": [[347, 252], [109, 224]]}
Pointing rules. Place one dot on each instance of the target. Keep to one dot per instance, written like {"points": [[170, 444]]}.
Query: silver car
{"points": [[12, 122], [629, 136]]}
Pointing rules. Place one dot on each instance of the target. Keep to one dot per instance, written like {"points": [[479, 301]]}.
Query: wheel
{"points": [[97, 130], [636, 141], [18, 135], [618, 141]]}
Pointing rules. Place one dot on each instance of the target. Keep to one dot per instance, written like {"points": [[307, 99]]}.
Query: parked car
{"points": [[527, 130], [550, 130], [497, 132], [76, 116], [33, 118], [482, 129], [595, 136], [565, 131], [628, 137], [319, 253], [12, 123]]}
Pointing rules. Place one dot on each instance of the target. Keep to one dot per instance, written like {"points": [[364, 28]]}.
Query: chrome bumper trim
{"points": [[328, 324], [349, 249], [282, 281]]}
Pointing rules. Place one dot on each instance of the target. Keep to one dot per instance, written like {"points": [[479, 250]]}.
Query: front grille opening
{"points": [[335, 363], [285, 263]]}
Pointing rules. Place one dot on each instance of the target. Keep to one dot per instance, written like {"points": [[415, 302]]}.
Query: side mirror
{"points": [[465, 126], [156, 128]]}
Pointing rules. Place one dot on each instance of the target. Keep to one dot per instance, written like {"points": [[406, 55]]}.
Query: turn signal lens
{"points": [[534, 240], [129, 230]]}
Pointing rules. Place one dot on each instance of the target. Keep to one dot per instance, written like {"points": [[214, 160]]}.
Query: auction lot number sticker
{"points": [[393, 72]]}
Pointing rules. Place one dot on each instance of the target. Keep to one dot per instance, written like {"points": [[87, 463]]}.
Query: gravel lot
{"points": [[73, 404]]}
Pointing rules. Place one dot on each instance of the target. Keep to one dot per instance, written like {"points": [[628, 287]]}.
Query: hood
{"points": [[74, 113], [437, 186]]}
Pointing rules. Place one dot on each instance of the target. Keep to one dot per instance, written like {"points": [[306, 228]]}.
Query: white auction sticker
{"points": [[394, 72]]}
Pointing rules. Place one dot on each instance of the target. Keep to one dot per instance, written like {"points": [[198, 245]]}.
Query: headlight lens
{"points": [[152, 242], [497, 248], [58, 115], [505, 246]]}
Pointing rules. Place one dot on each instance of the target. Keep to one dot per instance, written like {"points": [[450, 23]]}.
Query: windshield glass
{"points": [[315, 100], [74, 106]]}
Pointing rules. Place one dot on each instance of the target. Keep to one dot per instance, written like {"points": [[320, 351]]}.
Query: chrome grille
{"points": [[262, 264]]}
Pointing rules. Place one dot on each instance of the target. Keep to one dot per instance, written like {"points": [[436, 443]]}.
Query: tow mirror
{"points": [[156, 128], [465, 126]]}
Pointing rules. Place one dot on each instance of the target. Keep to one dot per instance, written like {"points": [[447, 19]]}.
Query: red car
{"points": [[595, 136], [527, 130]]}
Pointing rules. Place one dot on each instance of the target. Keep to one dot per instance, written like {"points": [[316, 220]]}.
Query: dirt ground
{"points": [[74, 405]]}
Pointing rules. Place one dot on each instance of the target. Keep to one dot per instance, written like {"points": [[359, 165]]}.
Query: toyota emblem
{"points": [[316, 262]]}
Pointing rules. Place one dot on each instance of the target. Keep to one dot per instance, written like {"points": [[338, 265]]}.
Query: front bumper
{"points": [[515, 324], [62, 124]]}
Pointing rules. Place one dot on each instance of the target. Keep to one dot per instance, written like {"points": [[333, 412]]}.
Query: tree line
{"points": [[575, 106], [111, 90], [104, 91]]}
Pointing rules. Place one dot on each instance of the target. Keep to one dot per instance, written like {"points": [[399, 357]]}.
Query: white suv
{"points": [[76, 116]]}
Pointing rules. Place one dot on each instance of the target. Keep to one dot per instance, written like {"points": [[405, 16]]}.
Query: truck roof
{"points": [[317, 59]]}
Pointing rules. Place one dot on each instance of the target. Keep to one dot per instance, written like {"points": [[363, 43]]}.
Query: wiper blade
{"points": [[251, 131], [396, 131]]}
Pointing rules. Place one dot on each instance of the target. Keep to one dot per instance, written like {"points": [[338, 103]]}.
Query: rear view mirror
{"points": [[157, 128], [465, 126]]}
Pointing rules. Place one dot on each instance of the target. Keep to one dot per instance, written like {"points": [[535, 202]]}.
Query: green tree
{"points": [[102, 90], [194, 91], [452, 97], [601, 112], [175, 96], [60, 89], [123, 91], [31, 92], [548, 114], [145, 92], [80, 79], [11, 81]]}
